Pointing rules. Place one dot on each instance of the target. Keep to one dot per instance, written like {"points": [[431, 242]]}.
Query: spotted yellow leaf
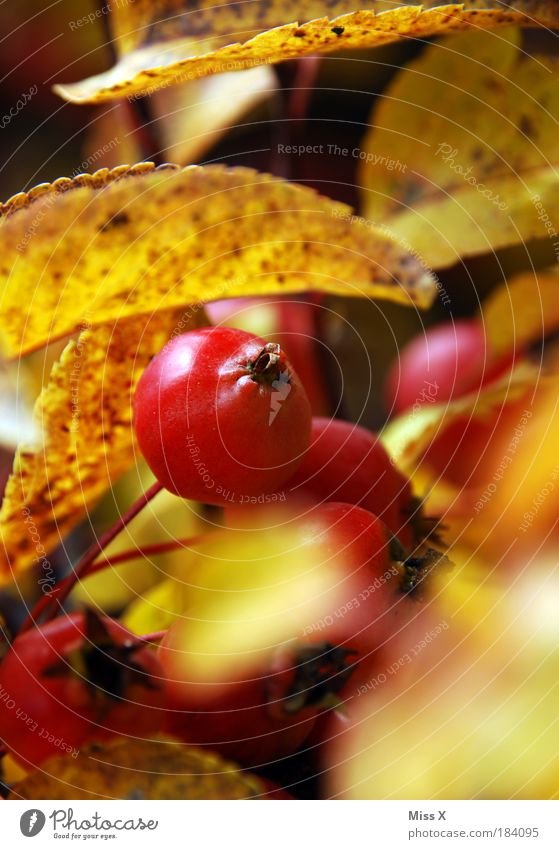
{"points": [[128, 768], [131, 241], [473, 125], [85, 415], [163, 43]]}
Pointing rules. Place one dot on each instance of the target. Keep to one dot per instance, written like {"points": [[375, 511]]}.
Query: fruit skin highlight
{"points": [[221, 416]]}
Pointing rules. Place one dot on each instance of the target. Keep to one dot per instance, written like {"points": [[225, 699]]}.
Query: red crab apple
{"points": [[220, 414], [345, 462], [442, 365], [291, 322], [77, 678]]}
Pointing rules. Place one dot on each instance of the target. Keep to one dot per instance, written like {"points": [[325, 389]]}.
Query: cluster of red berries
{"points": [[221, 417]]}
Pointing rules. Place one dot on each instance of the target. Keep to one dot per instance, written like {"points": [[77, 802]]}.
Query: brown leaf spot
{"points": [[117, 220]]}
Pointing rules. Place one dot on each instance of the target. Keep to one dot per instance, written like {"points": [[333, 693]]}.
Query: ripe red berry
{"points": [[220, 415], [346, 462], [263, 718], [289, 321], [77, 678], [444, 362], [442, 365], [373, 598]]}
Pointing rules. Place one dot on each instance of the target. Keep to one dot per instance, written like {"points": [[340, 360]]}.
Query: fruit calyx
{"points": [[419, 567], [106, 667], [270, 365], [423, 527], [319, 673]]}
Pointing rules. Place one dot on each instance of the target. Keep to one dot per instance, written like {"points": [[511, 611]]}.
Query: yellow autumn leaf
{"points": [[407, 437], [522, 311], [512, 518], [156, 609], [474, 715], [171, 518], [473, 125], [133, 240], [126, 768], [164, 43], [85, 415], [10, 771], [239, 595], [193, 117]]}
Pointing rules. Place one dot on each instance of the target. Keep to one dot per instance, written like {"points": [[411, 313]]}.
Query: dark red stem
{"points": [[50, 604], [154, 637], [148, 550], [303, 89]]}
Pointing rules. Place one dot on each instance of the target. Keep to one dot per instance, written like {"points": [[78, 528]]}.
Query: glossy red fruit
{"points": [[346, 462], [291, 322], [77, 678], [268, 712], [443, 363], [372, 598], [220, 415]]}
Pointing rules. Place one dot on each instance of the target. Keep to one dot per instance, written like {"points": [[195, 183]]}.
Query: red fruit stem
{"points": [[148, 550], [306, 74], [51, 603], [154, 637]]}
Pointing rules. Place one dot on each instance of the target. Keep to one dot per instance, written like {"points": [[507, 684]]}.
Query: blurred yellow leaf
{"points": [[156, 609], [522, 311], [11, 771], [135, 240], [192, 117], [125, 768], [246, 593], [116, 586], [473, 125], [514, 519], [473, 714], [407, 437], [85, 415], [167, 42]]}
